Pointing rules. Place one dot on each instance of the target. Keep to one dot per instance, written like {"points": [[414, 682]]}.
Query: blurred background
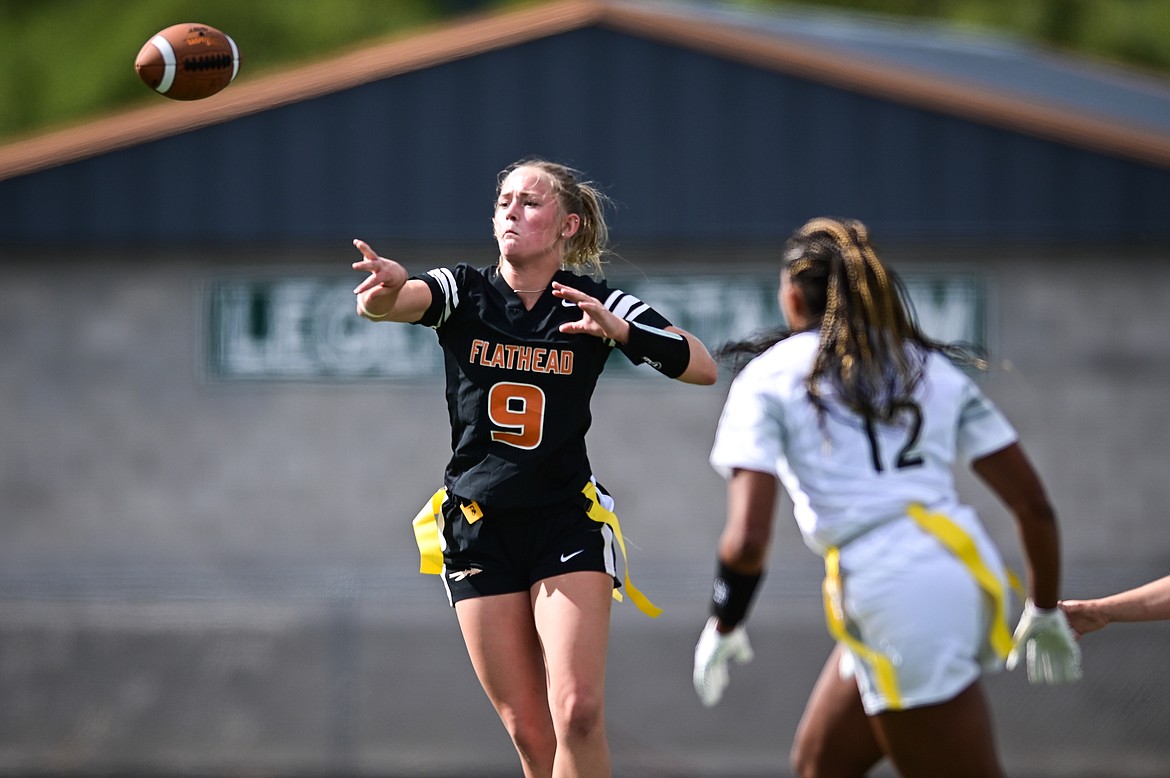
{"points": [[208, 464]]}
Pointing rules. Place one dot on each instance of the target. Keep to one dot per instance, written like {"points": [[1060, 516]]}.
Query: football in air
{"points": [[188, 61]]}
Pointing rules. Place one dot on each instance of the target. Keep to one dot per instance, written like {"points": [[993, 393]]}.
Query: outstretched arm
{"points": [[747, 536], [386, 294], [1148, 602], [1043, 634], [743, 550], [695, 363], [701, 369], [1010, 475]]}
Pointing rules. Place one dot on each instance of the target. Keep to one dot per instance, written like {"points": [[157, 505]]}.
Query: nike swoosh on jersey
{"points": [[567, 557]]}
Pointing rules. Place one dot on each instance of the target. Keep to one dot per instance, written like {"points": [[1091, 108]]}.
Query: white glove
{"points": [[712, 653], [1051, 647]]}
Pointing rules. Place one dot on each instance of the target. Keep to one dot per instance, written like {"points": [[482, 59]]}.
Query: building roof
{"points": [[965, 59], [992, 81]]}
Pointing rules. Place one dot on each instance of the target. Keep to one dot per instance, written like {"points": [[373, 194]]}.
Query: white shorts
{"points": [[909, 598]]}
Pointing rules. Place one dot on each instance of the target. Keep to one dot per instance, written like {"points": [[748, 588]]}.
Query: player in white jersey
{"points": [[861, 418]]}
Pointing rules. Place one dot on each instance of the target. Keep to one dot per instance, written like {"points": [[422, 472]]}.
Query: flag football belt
{"points": [[426, 535], [956, 540]]}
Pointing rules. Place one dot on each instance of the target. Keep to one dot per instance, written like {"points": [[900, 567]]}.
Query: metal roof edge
{"points": [[481, 33], [459, 39], [881, 80]]}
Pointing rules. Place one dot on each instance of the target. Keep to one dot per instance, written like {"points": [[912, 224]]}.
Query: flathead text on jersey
{"points": [[527, 358]]}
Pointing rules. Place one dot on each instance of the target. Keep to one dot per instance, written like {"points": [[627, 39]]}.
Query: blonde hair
{"points": [[585, 250]]}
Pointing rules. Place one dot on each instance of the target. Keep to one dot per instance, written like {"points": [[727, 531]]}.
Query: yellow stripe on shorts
{"points": [[600, 513], [959, 542], [887, 677], [426, 535]]}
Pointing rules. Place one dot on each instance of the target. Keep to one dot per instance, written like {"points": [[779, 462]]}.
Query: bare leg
{"points": [[954, 738], [572, 617], [505, 651], [835, 739]]}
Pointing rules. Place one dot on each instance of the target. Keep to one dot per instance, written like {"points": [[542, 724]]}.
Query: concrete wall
{"points": [[200, 576], [115, 444]]}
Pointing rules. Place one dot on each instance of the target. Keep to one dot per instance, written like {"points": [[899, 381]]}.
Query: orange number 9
{"points": [[519, 410]]}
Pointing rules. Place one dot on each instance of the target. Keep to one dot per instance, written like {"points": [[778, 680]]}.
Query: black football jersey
{"points": [[518, 389]]}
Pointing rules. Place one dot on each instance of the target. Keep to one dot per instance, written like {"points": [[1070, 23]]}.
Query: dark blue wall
{"points": [[689, 146]]}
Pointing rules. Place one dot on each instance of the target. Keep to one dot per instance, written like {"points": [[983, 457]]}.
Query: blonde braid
{"points": [[863, 327], [871, 348]]}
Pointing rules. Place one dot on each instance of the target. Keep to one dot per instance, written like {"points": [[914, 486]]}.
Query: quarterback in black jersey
{"points": [[524, 537], [518, 388]]}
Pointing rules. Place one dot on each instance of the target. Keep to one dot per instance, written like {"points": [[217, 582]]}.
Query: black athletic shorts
{"points": [[508, 551]]}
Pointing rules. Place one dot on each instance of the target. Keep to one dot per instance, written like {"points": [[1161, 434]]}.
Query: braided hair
{"points": [[872, 353]]}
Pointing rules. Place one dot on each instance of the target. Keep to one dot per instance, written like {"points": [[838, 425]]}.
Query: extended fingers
{"points": [[365, 249], [596, 319], [369, 257], [368, 263], [582, 325], [571, 294]]}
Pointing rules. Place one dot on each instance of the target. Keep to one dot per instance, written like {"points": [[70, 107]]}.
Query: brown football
{"points": [[188, 61]]}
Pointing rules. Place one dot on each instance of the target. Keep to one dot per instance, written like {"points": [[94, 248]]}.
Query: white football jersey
{"points": [[843, 478]]}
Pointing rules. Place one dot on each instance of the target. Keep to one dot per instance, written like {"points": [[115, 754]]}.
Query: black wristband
{"points": [[732, 594], [667, 352]]}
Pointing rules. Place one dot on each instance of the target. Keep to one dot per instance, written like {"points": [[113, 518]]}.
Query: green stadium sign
{"points": [[306, 328]]}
